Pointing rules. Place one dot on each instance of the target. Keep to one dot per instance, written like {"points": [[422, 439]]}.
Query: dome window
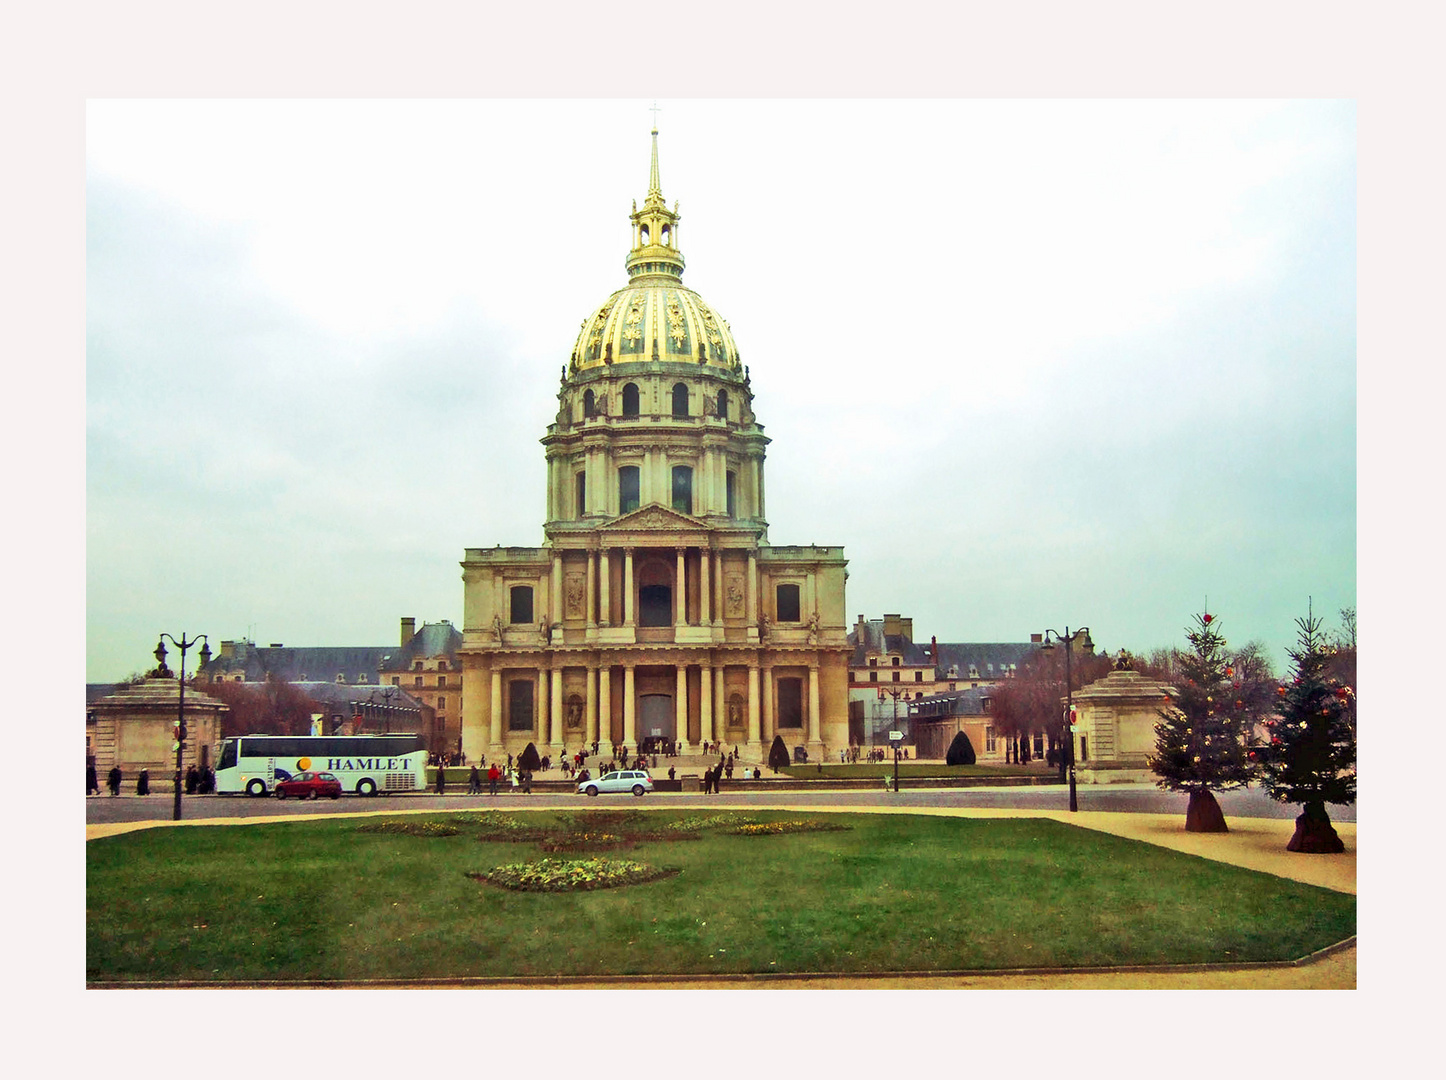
{"points": [[667, 237], [644, 235], [627, 489], [722, 404], [683, 488], [680, 400], [589, 404], [630, 399]]}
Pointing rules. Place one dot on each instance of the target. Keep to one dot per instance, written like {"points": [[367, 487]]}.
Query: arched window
{"points": [[732, 489], [589, 404], [581, 494], [683, 488], [627, 489], [680, 400], [630, 399], [722, 404], [521, 608]]}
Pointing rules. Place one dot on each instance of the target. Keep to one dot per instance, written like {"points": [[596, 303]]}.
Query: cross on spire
{"points": [[654, 109]]}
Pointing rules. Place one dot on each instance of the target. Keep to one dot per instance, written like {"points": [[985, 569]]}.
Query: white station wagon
{"points": [[634, 780]]}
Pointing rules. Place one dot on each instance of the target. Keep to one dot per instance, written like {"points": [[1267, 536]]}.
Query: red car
{"points": [[308, 785]]}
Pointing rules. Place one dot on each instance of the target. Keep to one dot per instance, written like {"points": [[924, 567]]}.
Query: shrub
{"points": [[410, 828], [529, 759], [774, 828], [961, 751], [778, 757]]}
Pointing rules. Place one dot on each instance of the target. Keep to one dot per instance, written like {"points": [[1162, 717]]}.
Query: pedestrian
{"points": [[92, 782], [208, 781], [143, 782], [193, 780], [492, 774], [756, 774], [670, 772], [441, 779], [474, 782], [113, 780], [527, 781]]}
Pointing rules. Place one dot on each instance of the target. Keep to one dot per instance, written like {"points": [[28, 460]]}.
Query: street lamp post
{"points": [[184, 644], [894, 693], [1068, 703]]}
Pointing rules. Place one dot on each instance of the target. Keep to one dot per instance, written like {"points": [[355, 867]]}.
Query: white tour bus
{"points": [[365, 764]]}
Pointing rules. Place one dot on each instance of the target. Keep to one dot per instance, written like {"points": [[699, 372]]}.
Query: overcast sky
{"points": [[1031, 363]]}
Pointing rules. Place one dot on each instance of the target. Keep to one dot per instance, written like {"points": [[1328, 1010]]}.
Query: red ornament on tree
{"points": [[1207, 619]]}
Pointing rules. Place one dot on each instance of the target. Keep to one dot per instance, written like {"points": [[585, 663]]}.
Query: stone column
{"points": [[591, 619], [628, 587], [557, 731], [589, 732], [494, 722], [705, 703], [604, 733], [630, 717], [681, 704], [718, 588], [604, 601], [753, 704], [681, 591], [813, 725], [720, 703], [555, 600], [705, 590], [753, 589], [770, 728], [543, 708]]}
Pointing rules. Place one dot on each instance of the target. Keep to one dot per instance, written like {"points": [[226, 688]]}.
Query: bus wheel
{"points": [[255, 788], [366, 786]]}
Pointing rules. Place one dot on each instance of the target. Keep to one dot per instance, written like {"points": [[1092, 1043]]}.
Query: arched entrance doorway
{"points": [[657, 718]]}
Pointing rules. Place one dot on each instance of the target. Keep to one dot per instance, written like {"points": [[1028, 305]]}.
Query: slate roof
{"points": [[432, 640], [950, 703], [877, 643], [342, 696], [991, 659], [301, 664]]}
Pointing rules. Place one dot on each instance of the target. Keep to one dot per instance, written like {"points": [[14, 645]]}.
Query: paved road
{"points": [[1121, 798]]}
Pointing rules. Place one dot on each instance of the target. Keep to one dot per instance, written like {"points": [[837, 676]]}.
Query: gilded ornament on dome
{"points": [[675, 321]]}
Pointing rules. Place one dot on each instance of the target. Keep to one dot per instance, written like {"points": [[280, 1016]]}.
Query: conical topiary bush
{"points": [[777, 754], [529, 760], [961, 751]]}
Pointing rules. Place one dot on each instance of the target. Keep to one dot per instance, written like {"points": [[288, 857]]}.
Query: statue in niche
{"points": [[574, 714], [764, 622], [813, 627], [735, 712], [544, 630], [497, 626]]}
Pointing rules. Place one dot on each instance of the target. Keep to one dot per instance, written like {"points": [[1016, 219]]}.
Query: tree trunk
{"points": [[1203, 814], [1314, 833]]}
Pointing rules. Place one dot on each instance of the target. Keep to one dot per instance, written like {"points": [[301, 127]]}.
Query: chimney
{"points": [[228, 650], [409, 630], [893, 624], [934, 651], [907, 627], [1036, 639]]}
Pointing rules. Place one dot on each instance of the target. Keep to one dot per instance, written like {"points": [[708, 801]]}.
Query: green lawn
{"points": [[321, 899]]}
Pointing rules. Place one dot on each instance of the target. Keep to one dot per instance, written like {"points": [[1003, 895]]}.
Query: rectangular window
{"points": [[521, 604], [788, 603], [873, 676], [627, 489], [441, 680], [519, 713], [581, 494], [918, 676], [989, 745], [895, 674], [396, 680], [419, 680], [731, 484]]}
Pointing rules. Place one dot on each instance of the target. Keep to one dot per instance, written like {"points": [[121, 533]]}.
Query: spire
{"points": [[655, 230], [655, 186]]}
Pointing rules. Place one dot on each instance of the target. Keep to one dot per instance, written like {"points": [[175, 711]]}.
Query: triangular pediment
{"points": [[654, 518]]}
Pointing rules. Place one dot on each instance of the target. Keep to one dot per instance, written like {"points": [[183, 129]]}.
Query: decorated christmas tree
{"points": [[1311, 756], [1199, 738]]}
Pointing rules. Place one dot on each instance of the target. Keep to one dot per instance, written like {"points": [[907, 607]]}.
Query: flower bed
{"points": [[571, 875], [584, 841], [410, 828], [775, 828]]}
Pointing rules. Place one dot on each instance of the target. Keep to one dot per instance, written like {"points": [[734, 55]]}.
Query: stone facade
{"points": [[656, 607], [134, 727], [1116, 735]]}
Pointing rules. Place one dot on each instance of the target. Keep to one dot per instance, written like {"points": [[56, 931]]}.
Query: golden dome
{"points": [[654, 317]]}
